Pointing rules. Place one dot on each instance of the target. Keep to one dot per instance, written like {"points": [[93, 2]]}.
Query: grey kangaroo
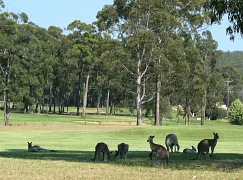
{"points": [[203, 145], [102, 148], [122, 150], [170, 141], [190, 151], [161, 153], [36, 148]]}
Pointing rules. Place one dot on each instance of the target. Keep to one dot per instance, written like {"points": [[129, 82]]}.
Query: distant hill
{"points": [[234, 58]]}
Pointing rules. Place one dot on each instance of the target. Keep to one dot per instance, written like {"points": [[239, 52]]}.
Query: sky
{"points": [[60, 13]]}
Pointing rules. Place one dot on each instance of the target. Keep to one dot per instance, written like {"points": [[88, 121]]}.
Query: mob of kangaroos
{"points": [[162, 153]]}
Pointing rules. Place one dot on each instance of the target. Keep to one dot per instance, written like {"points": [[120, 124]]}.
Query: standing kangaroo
{"points": [[170, 141], [203, 145], [36, 148], [161, 153], [122, 150], [102, 148]]}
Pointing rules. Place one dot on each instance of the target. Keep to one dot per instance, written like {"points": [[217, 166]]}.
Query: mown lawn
{"points": [[74, 138]]}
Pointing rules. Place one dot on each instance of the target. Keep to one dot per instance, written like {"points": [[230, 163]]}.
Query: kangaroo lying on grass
{"points": [[161, 153], [122, 150], [36, 148], [203, 145], [102, 148], [189, 151]]}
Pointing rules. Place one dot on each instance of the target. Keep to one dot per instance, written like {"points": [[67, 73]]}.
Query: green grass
{"points": [[75, 137]]}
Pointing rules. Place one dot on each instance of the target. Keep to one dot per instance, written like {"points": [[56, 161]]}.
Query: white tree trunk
{"points": [[139, 102], [107, 102], [157, 103], [86, 85], [203, 108]]}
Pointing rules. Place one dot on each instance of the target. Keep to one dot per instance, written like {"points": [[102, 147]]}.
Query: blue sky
{"points": [[60, 13]]}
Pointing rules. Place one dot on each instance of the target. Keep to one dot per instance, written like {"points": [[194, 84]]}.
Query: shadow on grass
{"points": [[179, 161]]}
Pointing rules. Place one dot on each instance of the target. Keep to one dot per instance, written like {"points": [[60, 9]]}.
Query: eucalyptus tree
{"points": [[57, 78], [208, 52], [136, 24], [112, 78], [10, 55], [234, 11], [1, 5], [144, 27], [82, 55]]}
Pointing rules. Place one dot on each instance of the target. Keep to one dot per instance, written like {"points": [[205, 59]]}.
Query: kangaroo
{"points": [[170, 141], [190, 151], [161, 153], [36, 148], [203, 145], [102, 148], [122, 150]]}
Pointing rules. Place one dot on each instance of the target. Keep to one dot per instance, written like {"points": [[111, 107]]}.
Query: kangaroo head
{"points": [[29, 145], [194, 149], [216, 136], [150, 139]]}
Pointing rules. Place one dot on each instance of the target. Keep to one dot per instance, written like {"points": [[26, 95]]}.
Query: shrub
{"points": [[236, 112]]}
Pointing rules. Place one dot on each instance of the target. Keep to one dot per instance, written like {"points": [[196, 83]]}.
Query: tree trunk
{"points": [[203, 108], [50, 101], [107, 102], [98, 105], [157, 102], [6, 113], [78, 94], [139, 102], [85, 94], [187, 114]]}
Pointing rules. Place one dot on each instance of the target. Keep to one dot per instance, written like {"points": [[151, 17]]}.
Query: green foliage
{"points": [[236, 112], [157, 43], [216, 113], [232, 58], [234, 11]]}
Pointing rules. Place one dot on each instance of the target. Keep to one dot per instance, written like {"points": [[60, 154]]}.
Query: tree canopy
{"points": [[234, 11], [143, 55]]}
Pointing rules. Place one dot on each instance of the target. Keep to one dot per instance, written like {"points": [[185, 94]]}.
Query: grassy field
{"points": [[74, 138]]}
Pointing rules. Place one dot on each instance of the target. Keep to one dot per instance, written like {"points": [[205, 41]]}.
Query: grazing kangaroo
{"points": [[122, 150], [170, 141], [36, 148], [203, 145], [102, 148], [161, 153], [190, 151]]}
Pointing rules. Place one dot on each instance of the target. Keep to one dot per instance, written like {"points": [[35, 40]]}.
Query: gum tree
{"points": [[234, 11], [145, 29]]}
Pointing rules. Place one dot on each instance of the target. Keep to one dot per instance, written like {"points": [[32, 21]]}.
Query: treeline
{"points": [[159, 59]]}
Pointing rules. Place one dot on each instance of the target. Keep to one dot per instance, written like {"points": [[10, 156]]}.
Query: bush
{"points": [[216, 113], [236, 112]]}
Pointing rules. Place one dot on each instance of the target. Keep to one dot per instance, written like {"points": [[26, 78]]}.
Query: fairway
{"points": [[74, 138]]}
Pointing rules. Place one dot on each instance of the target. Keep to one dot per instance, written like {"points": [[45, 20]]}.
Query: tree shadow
{"points": [[179, 161]]}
